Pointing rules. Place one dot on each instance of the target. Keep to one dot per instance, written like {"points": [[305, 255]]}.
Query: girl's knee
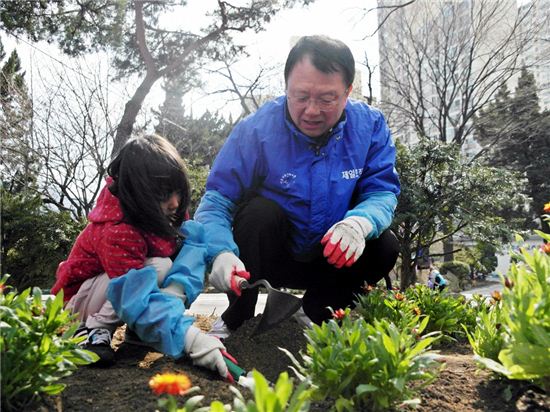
{"points": [[162, 265]]}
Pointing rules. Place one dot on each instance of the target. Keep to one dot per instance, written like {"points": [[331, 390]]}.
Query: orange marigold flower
{"points": [[399, 296], [339, 314], [417, 311], [170, 383], [545, 248], [368, 288], [496, 295], [546, 207]]}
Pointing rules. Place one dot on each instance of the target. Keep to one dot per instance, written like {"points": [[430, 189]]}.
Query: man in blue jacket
{"points": [[303, 191]]}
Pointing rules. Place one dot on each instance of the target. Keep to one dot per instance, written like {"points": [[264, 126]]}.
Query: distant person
{"points": [[303, 192], [135, 225], [435, 279]]}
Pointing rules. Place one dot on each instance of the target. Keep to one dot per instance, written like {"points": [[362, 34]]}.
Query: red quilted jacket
{"points": [[106, 245]]}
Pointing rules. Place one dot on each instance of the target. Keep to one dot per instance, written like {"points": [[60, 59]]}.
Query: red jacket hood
{"points": [[107, 208]]}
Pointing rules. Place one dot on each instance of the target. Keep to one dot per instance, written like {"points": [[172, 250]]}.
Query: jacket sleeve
{"points": [[157, 318], [215, 212], [378, 208], [189, 267], [378, 186]]}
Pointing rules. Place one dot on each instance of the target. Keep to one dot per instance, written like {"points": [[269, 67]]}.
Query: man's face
{"points": [[316, 100]]}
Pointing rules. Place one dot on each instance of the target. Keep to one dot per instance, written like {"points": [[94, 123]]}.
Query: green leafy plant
{"points": [[487, 339], [526, 318], [36, 346], [281, 398], [362, 365], [447, 313], [378, 303]]}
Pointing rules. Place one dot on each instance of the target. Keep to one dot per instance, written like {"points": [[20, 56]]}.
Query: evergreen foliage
{"points": [[34, 240], [516, 135], [442, 195]]}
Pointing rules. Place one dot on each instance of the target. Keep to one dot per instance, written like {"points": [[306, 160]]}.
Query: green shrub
{"points": [[370, 366], [35, 350], [34, 240], [197, 180], [460, 269]]}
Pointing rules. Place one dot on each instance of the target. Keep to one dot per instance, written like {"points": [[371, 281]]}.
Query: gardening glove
{"points": [[175, 289], [345, 241], [227, 273], [205, 351]]}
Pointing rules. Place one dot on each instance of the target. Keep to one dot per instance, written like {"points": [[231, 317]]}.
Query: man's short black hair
{"points": [[327, 55]]}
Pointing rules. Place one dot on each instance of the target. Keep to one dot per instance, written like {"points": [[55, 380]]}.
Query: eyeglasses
{"points": [[324, 104]]}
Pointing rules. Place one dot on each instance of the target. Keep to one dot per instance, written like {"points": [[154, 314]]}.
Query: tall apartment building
{"points": [[442, 59], [537, 57]]}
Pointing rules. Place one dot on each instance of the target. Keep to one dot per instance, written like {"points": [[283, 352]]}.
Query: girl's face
{"points": [[170, 206]]}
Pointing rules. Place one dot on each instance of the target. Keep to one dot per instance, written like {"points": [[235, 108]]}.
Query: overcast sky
{"points": [[342, 19]]}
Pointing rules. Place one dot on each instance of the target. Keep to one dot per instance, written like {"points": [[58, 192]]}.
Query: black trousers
{"points": [[260, 229]]}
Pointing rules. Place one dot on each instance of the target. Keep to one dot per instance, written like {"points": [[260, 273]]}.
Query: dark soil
{"points": [[124, 387]]}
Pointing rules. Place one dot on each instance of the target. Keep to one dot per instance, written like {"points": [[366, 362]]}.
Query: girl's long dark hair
{"points": [[146, 172]]}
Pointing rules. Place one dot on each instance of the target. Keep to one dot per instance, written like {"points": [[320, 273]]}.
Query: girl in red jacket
{"points": [[134, 223]]}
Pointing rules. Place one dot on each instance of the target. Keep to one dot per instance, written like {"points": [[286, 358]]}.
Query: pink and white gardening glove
{"points": [[345, 241], [205, 351], [227, 273]]}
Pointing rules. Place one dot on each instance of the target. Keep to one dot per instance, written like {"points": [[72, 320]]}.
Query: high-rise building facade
{"points": [[442, 60], [537, 57]]}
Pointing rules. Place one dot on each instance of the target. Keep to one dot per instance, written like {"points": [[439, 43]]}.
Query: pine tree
{"points": [[516, 136], [19, 167]]}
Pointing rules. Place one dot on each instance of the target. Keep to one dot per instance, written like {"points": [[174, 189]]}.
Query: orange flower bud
{"points": [[399, 296], [170, 383], [339, 314], [496, 295], [545, 248], [509, 283], [417, 311], [546, 207]]}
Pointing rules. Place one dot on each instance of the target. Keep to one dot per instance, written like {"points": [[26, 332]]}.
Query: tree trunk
{"points": [[131, 110], [448, 248], [408, 272]]}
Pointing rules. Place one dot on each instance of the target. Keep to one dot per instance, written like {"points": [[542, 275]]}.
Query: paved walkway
{"points": [[483, 290], [216, 303]]}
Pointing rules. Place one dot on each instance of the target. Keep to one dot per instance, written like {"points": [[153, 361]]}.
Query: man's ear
{"points": [[350, 88]]}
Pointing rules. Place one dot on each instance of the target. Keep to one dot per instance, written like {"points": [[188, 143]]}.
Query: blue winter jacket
{"points": [[156, 317], [317, 186]]}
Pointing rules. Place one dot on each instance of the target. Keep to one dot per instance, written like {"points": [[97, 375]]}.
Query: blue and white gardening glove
{"points": [[345, 241], [205, 351], [227, 273]]}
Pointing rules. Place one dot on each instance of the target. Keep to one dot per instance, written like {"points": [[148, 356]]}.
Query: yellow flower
{"points": [[496, 295], [546, 207], [417, 311], [399, 296], [170, 383]]}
